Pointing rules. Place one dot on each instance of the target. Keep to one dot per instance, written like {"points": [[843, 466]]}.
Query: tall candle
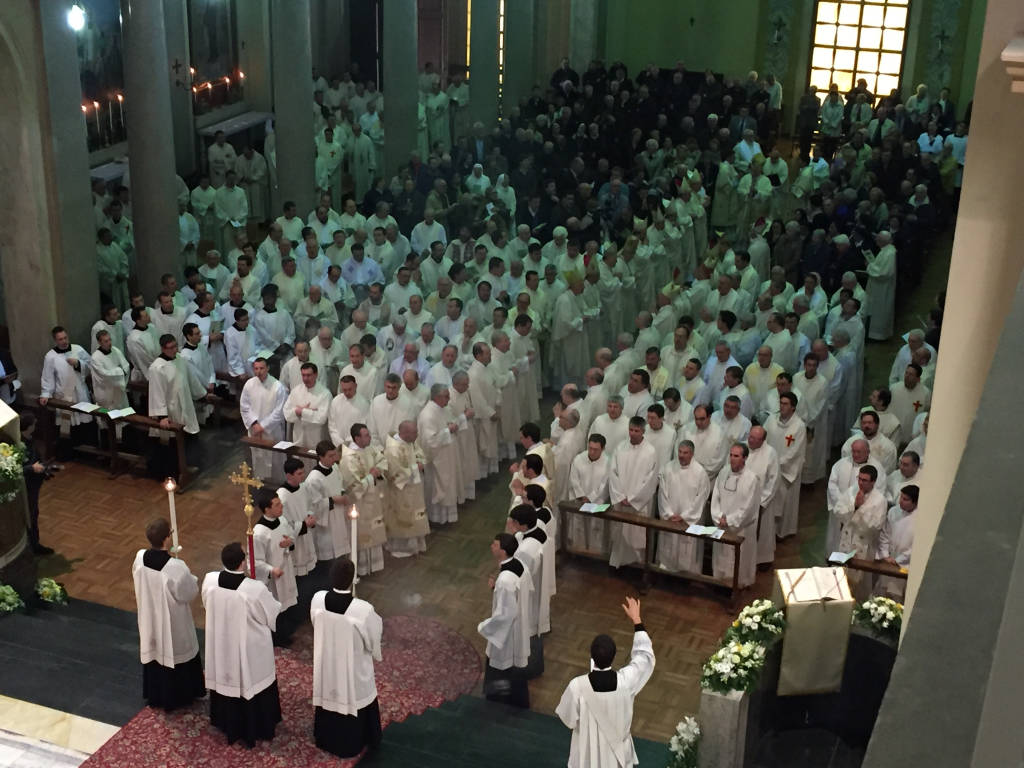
{"points": [[354, 515], [110, 114], [170, 486], [99, 132], [120, 107]]}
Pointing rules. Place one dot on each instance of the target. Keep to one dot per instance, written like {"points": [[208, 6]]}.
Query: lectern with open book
{"points": [[818, 607]]}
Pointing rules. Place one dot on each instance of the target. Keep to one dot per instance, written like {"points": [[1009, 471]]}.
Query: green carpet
{"points": [[471, 732]]}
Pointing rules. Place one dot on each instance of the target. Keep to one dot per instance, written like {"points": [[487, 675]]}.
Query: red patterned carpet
{"points": [[424, 664]]}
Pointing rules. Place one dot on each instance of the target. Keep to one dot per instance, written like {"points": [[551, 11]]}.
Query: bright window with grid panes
{"points": [[858, 39]]}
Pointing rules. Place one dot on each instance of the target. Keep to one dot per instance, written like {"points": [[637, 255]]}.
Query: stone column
{"points": [[331, 36], [292, 63], [72, 224], [148, 78], [519, 48], [176, 23], [983, 274], [582, 33], [483, 62], [401, 93]]}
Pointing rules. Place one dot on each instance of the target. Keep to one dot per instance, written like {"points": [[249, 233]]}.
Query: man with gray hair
{"points": [[391, 339], [683, 490], [503, 375], [880, 306], [486, 406], [437, 434], [612, 425], [915, 341], [443, 370], [461, 412]]}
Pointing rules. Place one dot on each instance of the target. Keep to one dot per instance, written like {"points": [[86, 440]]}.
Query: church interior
{"points": [[737, 170]]}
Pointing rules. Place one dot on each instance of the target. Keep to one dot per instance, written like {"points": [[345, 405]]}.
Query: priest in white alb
{"points": [[172, 673], [788, 436], [240, 673], [735, 502], [763, 461], [346, 641], [405, 515], [588, 484], [632, 485], [306, 409], [683, 490], [261, 405], [438, 428]]}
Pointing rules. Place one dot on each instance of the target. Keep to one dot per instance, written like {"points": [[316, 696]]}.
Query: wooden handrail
{"points": [[618, 513], [269, 445], [880, 567]]}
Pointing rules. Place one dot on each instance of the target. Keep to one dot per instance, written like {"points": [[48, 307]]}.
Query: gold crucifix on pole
{"points": [[247, 481]]}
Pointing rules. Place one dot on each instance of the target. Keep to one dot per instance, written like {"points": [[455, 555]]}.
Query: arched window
{"points": [[857, 39]]}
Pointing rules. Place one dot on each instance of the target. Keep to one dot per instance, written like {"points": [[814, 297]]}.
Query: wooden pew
{"points": [[118, 459], [653, 527], [294, 450]]}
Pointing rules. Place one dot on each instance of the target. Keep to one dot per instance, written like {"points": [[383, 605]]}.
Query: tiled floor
{"points": [[39, 737]]}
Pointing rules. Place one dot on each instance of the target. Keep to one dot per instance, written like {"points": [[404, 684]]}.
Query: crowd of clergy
{"points": [[698, 302]]}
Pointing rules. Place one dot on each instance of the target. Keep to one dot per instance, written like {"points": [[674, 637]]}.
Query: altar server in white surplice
{"points": [[172, 389], [632, 483], [734, 506], [507, 629], [532, 541], [438, 432], [306, 409], [328, 503], [64, 370], [683, 490], [346, 641], [261, 406], [172, 673], [764, 462], [273, 540], [294, 498], [598, 707], [588, 483], [240, 673]]}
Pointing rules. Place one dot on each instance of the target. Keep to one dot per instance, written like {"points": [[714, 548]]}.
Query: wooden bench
{"points": [[653, 527], [118, 459]]}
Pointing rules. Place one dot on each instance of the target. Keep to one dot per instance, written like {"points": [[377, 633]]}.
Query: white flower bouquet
{"points": [[880, 615], [683, 744], [760, 622], [10, 600], [12, 456], [50, 591], [735, 666]]}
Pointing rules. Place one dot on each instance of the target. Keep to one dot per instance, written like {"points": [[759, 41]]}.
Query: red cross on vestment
{"points": [[917, 406], [789, 440]]}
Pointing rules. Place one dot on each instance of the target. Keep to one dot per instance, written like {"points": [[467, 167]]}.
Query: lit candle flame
{"points": [[120, 97], [227, 80], [192, 70], [95, 105], [170, 485], [84, 109], [241, 75], [353, 513]]}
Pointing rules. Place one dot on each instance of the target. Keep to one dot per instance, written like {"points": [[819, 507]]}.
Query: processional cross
{"points": [[247, 481]]}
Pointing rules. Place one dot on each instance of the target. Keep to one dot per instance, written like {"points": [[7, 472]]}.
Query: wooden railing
{"points": [[653, 527]]}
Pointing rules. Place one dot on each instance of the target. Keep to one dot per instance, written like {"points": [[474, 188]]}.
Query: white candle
{"points": [[170, 486], [354, 515], [96, 106]]}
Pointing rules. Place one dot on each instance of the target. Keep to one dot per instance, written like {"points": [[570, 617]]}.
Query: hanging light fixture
{"points": [[76, 17]]}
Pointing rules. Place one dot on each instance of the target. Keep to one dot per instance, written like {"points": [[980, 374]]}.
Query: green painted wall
{"points": [[703, 33]]}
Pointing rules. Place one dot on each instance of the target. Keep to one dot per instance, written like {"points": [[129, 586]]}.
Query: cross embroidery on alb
{"points": [[789, 440], [917, 406]]}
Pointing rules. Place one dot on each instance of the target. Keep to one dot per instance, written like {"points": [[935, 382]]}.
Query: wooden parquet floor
{"points": [[96, 524]]}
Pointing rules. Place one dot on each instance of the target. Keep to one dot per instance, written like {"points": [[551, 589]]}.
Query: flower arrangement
{"points": [[683, 744], [735, 666], [50, 591], [10, 600], [880, 615], [12, 456], [760, 622]]}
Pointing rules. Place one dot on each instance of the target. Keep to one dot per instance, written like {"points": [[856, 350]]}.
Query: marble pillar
{"points": [[71, 217], [583, 20], [520, 72], [723, 729], [483, 63], [331, 36], [148, 81], [986, 265], [182, 117], [293, 102], [401, 89]]}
